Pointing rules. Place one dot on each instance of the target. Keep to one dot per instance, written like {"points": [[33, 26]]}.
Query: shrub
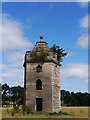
{"points": [[27, 110], [39, 55], [58, 113], [63, 113], [16, 109], [12, 113]]}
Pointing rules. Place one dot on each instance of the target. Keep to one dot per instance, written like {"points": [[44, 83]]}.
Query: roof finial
{"points": [[41, 38]]}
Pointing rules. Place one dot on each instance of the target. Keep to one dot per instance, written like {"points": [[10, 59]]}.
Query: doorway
{"points": [[38, 104]]}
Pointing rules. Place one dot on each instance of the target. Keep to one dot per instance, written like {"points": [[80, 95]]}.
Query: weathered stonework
{"points": [[50, 78]]}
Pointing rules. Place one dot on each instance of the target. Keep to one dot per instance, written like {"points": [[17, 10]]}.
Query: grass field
{"points": [[74, 112]]}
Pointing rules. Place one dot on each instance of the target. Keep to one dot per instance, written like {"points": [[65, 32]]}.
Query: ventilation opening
{"points": [[38, 68], [38, 104]]}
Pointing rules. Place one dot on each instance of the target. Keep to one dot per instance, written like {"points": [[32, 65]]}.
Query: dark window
{"points": [[38, 104], [38, 68], [38, 85]]}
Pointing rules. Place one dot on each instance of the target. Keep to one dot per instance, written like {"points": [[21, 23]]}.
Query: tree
{"points": [[59, 51], [14, 94], [17, 95], [75, 99], [5, 93]]}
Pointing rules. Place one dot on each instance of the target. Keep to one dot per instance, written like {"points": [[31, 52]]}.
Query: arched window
{"points": [[38, 68], [38, 84]]}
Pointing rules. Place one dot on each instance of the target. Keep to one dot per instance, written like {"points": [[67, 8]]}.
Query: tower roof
{"points": [[41, 44], [41, 53]]}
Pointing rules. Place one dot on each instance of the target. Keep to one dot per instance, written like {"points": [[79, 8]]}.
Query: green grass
{"points": [[58, 113]]}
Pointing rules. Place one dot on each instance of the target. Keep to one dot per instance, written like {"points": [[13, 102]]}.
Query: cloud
{"points": [[75, 71], [82, 41], [83, 3], [12, 35], [84, 22], [3, 67], [15, 59], [12, 76], [70, 54], [14, 47]]}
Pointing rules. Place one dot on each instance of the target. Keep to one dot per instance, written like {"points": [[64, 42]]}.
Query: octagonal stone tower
{"points": [[42, 79]]}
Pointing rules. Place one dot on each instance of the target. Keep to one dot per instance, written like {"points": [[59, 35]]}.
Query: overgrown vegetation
{"points": [[67, 112], [15, 110], [39, 55], [59, 51], [27, 110], [58, 113]]}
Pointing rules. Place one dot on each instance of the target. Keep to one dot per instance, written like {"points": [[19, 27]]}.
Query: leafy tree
{"points": [[5, 93], [14, 94], [75, 99], [60, 52], [17, 94]]}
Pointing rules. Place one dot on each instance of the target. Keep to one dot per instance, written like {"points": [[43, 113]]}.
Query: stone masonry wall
{"points": [[46, 93], [56, 105]]}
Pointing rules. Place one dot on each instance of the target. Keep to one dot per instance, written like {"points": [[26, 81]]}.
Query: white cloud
{"points": [[0, 67], [70, 54], [12, 35], [12, 69], [75, 72], [3, 67], [12, 76], [14, 47], [84, 22], [15, 58], [83, 41], [83, 3]]}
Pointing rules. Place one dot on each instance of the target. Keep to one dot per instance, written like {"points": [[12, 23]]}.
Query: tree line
{"points": [[75, 99], [15, 94]]}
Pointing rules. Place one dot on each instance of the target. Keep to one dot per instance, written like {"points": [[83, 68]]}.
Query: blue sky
{"points": [[63, 24]]}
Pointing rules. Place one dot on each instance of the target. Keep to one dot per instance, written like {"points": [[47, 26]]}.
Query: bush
{"points": [[27, 110], [12, 113], [16, 109], [63, 113], [58, 113], [39, 55]]}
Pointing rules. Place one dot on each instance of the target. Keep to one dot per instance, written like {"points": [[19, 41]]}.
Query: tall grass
{"points": [[71, 112], [76, 112]]}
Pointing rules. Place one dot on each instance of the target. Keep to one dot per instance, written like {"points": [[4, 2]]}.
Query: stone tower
{"points": [[42, 79]]}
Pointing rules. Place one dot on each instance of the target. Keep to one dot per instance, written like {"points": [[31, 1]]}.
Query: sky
{"points": [[62, 23]]}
